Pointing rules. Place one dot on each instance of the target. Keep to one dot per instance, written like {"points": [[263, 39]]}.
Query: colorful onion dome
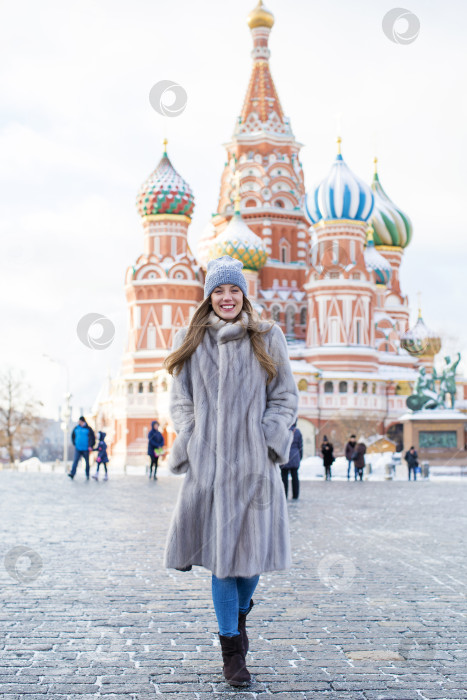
{"points": [[165, 192], [392, 227], [375, 262], [341, 195], [420, 340], [260, 17], [241, 243]]}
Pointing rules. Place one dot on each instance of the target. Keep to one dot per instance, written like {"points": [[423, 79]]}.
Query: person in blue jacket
{"points": [[83, 439], [102, 456], [155, 446], [295, 456]]}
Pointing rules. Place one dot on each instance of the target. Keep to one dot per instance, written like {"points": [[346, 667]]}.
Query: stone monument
{"points": [[434, 426]]}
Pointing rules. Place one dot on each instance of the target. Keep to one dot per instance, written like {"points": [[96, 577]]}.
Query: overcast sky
{"points": [[78, 137]]}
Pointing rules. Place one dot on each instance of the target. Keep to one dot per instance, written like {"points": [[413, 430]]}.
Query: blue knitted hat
{"points": [[224, 270]]}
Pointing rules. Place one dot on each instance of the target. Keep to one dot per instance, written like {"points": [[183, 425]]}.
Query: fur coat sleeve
{"points": [[181, 412], [281, 401]]}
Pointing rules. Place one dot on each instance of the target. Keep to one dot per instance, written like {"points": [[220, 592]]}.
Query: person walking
{"points": [[327, 450], [292, 466], [102, 456], [233, 401], [359, 460], [83, 439], [155, 446], [411, 457], [349, 453]]}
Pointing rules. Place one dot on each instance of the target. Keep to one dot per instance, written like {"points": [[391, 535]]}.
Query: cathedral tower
{"points": [[264, 156]]}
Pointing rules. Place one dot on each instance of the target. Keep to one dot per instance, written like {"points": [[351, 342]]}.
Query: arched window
{"points": [[365, 388], [279, 203], [373, 388], [276, 313], [130, 388], [355, 388], [343, 387], [151, 388], [303, 385], [290, 320], [303, 316], [250, 203], [140, 388], [328, 387]]}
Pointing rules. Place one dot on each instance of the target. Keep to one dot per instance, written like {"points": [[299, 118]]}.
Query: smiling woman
{"points": [[233, 402]]}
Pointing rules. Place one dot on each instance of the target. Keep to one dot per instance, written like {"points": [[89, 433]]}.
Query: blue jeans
{"points": [[230, 596], [78, 455], [349, 462]]}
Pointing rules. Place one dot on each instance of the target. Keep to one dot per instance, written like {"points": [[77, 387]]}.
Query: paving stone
{"points": [[103, 619]]}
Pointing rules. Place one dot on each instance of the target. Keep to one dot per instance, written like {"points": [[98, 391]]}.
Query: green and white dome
{"points": [[391, 226]]}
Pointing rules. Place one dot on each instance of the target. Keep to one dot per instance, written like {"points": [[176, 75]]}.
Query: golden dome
{"points": [[260, 17]]}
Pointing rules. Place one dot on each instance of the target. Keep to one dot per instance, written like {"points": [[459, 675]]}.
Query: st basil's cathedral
{"points": [[323, 264]]}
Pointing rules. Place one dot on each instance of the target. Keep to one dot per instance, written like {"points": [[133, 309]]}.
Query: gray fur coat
{"points": [[232, 433]]}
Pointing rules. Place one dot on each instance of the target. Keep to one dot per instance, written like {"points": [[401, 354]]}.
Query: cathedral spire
{"points": [[262, 111]]}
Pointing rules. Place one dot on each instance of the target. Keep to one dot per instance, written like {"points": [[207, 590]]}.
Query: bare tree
{"points": [[19, 420]]}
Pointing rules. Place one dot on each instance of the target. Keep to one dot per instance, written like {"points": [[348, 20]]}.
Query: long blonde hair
{"points": [[197, 328]]}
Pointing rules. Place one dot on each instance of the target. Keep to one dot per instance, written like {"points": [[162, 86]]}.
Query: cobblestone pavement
{"points": [[374, 607]]}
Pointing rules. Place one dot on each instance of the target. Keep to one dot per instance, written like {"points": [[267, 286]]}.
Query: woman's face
{"points": [[227, 301]]}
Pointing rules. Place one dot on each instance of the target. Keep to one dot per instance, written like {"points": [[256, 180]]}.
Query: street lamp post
{"points": [[65, 422]]}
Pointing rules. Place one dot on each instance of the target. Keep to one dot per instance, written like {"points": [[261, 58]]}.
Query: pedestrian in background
{"points": [[359, 459], [233, 402], [292, 466], [327, 450], [411, 457], [102, 456], [350, 453], [83, 439], [155, 446]]}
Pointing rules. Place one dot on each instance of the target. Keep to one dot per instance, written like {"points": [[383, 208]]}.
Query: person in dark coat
{"points": [[411, 457], [327, 450], [155, 446], [102, 456], [359, 460], [83, 439], [349, 453], [296, 454]]}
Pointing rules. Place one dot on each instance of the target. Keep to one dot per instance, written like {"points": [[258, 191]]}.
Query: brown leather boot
{"points": [[235, 671], [242, 628]]}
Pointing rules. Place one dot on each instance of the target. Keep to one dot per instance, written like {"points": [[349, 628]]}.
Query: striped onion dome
{"points": [[241, 243], [341, 195], [391, 226], [375, 262], [165, 192]]}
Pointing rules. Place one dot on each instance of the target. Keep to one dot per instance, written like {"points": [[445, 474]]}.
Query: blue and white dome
{"points": [[375, 262], [341, 195]]}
